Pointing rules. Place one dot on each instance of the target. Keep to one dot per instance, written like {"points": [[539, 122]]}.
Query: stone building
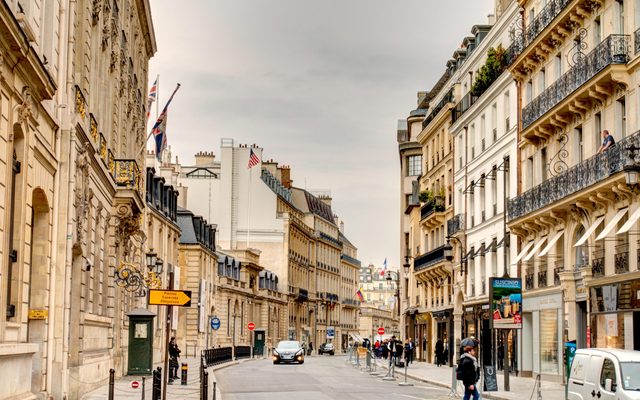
{"points": [[372, 318], [350, 304], [575, 64]]}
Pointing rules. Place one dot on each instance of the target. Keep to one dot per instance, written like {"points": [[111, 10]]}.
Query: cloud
{"points": [[318, 84]]}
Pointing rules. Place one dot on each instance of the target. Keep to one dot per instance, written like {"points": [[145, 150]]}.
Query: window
{"points": [[529, 92], [542, 81], [579, 144], [530, 172], [549, 341], [507, 111], [621, 118], [597, 31], [620, 16], [608, 372], [414, 165], [598, 128], [557, 64], [543, 161]]}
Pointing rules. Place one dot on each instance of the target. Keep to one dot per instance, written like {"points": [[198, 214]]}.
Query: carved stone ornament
{"points": [[25, 110], [128, 225], [82, 196]]}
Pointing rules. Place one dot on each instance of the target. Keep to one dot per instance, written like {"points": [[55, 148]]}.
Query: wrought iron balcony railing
{"points": [[127, 174], [544, 19], [432, 257], [597, 265], [455, 224], [429, 208], [556, 275], [579, 177], [612, 50], [448, 98], [636, 41], [463, 105], [528, 280], [351, 260], [542, 276], [622, 258]]}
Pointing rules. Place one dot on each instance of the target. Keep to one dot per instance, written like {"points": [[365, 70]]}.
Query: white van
{"points": [[605, 374]]}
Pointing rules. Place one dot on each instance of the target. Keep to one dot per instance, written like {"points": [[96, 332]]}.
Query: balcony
{"points": [[303, 295], [597, 265], [448, 98], [351, 260], [127, 174], [542, 276], [612, 50], [556, 275], [427, 259], [455, 225], [463, 105], [429, 208], [622, 258], [528, 280], [577, 178]]}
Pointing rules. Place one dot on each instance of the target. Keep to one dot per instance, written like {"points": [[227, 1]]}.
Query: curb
{"points": [[214, 368]]}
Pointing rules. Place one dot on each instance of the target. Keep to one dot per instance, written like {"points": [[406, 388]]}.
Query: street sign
{"points": [[180, 298], [38, 314], [381, 331], [215, 323], [135, 384], [331, 332], [251, 326]]}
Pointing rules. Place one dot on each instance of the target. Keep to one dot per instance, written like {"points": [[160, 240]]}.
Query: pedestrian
{"points": [[607, 141], [384, 349], [445, 354], [423, 355], [310, 349], [470, 373], [174, 353], [439, 351], [393, 350], [407, 351]]}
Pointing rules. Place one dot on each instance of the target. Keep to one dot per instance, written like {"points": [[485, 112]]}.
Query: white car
{"points": [[288, 351], [605, 374]]}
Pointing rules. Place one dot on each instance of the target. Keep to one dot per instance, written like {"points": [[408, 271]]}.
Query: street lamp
{"points": [[632, 170], [448, 251], [397, 294], [134, 278]]}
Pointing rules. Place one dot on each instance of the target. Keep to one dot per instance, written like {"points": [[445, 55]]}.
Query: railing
{"points": [[579, 177], [419, 112], [331, 297], [330, 239], [351, 260], [429, 258], [542, 277], [597, 266], [612, 50], [528, 280], [243, 352], [622, 258], [455, 224], [636, 41], [544, 19], [217, 356], [351, 302], [448, 98], [556, 275], [127, 174], [429, 208], [463, 105]]}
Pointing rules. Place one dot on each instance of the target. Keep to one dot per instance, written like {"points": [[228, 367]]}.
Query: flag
{"points": [[159, 130], [153, 93], [360, 296], [253, 159], [384, 267]]}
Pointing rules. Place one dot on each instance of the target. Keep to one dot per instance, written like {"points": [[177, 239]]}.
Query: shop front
{"points": [[615, 315], [423, 331], [542, 335], [443, 321], [476, 324]]}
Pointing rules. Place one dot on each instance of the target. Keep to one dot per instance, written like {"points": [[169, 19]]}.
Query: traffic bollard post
{"points": [[183, 376], [112, 373], [405, 383], [143, 381]]}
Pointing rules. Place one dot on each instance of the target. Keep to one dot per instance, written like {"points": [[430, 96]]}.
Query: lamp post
{"points": [[632, 169], [397, 291]]}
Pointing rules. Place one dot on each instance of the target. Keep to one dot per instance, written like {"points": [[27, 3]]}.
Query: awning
{"points": [[551, 243], [632, 220], [612, 223], [469, 254], [502, 241], [492, 246], [535, 249], [589, 231], [480, 251], [522, 253]]}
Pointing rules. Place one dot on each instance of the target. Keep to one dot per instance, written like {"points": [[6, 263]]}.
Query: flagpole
{"points": [[157, 95], [144, 145], [249, 203]]}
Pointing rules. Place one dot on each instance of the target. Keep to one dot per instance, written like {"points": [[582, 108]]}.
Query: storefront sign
{"points": [[506, 303]]}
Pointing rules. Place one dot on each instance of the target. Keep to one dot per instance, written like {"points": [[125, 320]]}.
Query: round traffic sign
{"points": [[251, 326], [215, 323], [135, 384], [381, 331]]}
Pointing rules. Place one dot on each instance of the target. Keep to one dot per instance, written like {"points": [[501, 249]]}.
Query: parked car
{"points": [[326, 348], [605, 374], [288, 351]]}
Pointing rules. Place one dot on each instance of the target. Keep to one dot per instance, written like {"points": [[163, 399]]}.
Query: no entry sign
{"points": [[381, 331], [135, 384], [251, 326]]}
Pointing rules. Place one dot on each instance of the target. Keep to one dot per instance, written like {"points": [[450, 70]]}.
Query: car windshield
{"points": [[630, 375], [288, 345]]}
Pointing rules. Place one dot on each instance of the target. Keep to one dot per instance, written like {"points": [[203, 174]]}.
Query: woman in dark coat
{"points": [[439, 352]]}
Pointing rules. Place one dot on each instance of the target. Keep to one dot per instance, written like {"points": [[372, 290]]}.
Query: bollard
{"points": [[214, 390], [156, 388], [405, 383], [183, 377], [390, 376], [205, 386], [112, 373], [143, 379]]}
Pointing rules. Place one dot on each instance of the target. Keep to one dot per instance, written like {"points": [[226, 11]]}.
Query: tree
{"points": [[487, 74]]}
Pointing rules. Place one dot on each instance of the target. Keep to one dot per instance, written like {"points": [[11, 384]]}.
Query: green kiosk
{"points": [[140, 342]]}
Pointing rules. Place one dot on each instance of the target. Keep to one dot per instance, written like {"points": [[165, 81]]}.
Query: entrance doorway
{"points": [[581, 325], [258, 343]]}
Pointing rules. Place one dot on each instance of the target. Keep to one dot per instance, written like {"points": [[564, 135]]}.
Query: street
{"points": [[319, 378]]}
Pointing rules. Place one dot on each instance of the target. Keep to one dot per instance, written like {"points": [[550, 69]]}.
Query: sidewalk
{"points": [[175, 391], [521, 388]]}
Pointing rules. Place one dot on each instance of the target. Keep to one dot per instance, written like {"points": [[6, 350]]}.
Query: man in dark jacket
{"points": [[174, 353], [470, 373]]}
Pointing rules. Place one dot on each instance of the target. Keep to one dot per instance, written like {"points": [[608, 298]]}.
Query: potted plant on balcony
{"points": [[426, 196]]}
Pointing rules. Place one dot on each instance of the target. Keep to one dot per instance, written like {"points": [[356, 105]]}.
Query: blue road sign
{"points": [[215, 323]]}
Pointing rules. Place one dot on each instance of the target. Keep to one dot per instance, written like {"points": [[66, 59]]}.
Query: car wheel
{"points": [[275, 362], [332, 353], [302, 362]]}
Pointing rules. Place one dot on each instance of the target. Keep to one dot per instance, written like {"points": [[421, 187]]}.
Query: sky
{"points": [[319, 85]]}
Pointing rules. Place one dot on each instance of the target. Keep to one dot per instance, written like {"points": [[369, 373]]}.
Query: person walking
{"points": [[470, 372], [174, 353], [310, 349], [439, 351], [408, 351]]}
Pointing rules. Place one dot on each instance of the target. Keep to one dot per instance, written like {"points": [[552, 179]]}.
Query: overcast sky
{"points": [[319, 85]]}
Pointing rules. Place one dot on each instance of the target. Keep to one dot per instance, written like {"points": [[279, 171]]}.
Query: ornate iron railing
{"points": [[622, 258], [528, 280], [455, 224], [429, 208], [542, 276], [243, 352], [612, 50], [556, 275], [127, 174], [597, 265], [544, 19], [351, 260], [448, 98], [636, 41], [463, 105], [429, 258], [579, 177]]}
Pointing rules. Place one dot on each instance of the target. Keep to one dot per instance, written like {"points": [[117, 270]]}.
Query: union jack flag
{"points": [[253, 159], [153, 93], [159, 129]]}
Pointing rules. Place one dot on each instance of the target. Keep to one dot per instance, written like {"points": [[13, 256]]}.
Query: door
{"points": [[258, 343], [636, 330], [581, 325], [606, 390], [140, 347]]}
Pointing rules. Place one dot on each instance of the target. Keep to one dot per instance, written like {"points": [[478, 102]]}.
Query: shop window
{"points": [[549, 341]]}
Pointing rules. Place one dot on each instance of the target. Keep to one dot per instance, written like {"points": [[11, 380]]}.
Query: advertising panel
{"points": [[506, 303]]}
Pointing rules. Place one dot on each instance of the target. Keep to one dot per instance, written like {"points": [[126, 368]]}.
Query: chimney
{"points": [[342, 227], [325, 198], [285, 176], [205, 159], [421, 97]]}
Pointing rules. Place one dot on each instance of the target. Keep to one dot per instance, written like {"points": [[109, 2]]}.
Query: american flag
{"points": [[253, 159], [153, 93]]}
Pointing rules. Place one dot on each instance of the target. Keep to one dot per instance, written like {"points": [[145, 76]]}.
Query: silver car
{"points": [[288, 351]]}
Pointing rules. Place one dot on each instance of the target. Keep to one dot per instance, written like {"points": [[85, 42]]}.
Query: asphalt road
{"points": [[319, 378]]}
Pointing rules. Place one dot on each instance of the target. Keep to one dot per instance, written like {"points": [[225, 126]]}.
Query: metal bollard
{"points": [[143, 379], [112, 373], [214, 390], [405, 383], [156, 388], [183, 377], [205, 386]]}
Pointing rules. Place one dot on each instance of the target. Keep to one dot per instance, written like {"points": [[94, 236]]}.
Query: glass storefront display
{"points": [[549, 341], [607, 330]]}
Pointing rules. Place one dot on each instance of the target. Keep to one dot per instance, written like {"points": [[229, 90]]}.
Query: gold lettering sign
{"points": [[38, 314]]}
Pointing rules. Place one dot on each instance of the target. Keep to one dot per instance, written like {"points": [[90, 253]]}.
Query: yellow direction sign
{"points": [[181, 298], [38, 314]]}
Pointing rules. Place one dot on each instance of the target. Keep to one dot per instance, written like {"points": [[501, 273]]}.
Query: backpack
{"points": [[459, 373]]}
